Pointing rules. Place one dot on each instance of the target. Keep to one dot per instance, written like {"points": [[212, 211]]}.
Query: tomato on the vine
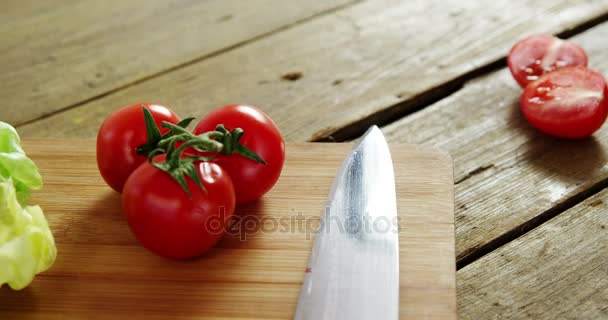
{"points": [[536, 55], [119, 136], [569, 103], [171, 222], [261, 135]]}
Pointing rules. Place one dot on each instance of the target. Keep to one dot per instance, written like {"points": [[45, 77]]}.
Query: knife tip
{"points": [[372, 133]]}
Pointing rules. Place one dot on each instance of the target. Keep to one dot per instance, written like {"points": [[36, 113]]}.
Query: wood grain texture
{"points": [[556, 271], [354, 63], [507, 172], [100, 266], [60, 53]]}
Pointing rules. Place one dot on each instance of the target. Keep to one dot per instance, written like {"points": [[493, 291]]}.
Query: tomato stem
{"points": [[220, 141], [154, 136], [231, 143]]}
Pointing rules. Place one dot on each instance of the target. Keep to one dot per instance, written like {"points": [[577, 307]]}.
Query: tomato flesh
{"points": [[539, 54], [569, 103], [170, 223], [261, 135], [120, 134]]}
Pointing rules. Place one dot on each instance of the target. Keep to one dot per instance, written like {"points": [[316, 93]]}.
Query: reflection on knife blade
{"points": [[353, 270]]}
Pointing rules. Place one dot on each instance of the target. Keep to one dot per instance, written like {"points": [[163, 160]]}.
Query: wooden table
{"points": [[531, 222]]}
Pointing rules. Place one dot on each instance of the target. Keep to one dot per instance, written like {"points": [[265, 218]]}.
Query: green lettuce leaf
{"points": [[16, 165], [27, 246]]}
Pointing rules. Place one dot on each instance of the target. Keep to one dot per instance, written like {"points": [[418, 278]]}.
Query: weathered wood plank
{"points": [[556, 271], [507, 172], [60, 53], [354, 63]]}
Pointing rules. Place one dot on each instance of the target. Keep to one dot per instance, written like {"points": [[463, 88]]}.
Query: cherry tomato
{"points": [[569, 103], [261, 135], [536, 55], [120, 134], [169, 222]]}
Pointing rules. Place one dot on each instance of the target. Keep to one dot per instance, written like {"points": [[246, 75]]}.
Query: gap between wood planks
{"points": [[527, 226], [193, 61]]}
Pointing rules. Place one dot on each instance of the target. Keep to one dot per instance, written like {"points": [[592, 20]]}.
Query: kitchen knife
{"points": [[353, 270]]}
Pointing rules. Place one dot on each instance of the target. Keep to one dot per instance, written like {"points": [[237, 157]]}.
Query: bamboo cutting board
{"points": [[255, 272]]}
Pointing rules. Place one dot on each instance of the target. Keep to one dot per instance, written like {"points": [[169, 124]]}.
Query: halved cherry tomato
{"points": [[538, 54], [569, 103], [261, 135], [120, 134], [169, 222]]}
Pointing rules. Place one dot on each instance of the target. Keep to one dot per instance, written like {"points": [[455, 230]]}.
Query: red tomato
{"points": [[119, 135], [261, 135], [169, 222], [536, 55], [569, 103]]}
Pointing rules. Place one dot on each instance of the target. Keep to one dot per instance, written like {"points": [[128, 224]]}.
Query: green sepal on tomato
{"points": [[119, 137], [261, 135]]}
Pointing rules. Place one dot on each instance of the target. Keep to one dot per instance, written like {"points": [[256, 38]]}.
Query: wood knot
{"points": [[292, 76]]}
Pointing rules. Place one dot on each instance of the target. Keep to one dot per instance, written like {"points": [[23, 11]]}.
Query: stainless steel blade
{"points": [[353, 270]]}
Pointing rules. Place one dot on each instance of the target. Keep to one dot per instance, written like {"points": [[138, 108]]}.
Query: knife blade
{"points": [[353, 270]]}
